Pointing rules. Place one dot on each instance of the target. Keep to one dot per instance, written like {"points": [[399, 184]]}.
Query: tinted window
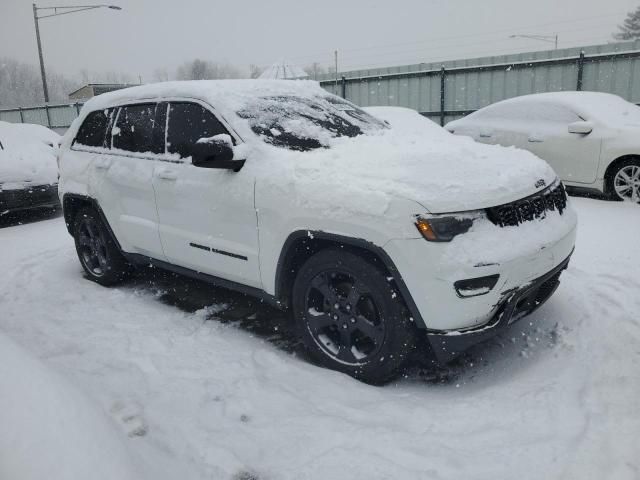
{"points": [[93, 129], [136, 129], [189, 122]]}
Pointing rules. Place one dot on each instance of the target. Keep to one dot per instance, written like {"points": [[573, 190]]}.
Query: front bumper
{"points": [[36, 196], [516, 305]]}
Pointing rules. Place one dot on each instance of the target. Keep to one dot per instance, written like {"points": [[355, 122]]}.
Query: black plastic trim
{"points": [[488, 281], [355, 242], [220, 252], [138, 259]]}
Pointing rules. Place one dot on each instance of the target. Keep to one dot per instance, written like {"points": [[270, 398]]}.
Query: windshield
{"points": [[306, 123]]}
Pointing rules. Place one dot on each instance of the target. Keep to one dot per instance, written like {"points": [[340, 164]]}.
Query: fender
{"points": [[360, 243]]}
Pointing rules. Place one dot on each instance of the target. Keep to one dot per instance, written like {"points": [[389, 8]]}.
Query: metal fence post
{"points": [[344, 87], [443, 75], [77, 108], [21, 115], [46, 109], [580, 70]]}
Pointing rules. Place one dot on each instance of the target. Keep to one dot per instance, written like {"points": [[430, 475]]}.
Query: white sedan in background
{"points": [[591, 140], [28, 169]]}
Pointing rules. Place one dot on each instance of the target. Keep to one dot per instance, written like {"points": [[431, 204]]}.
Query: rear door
{"points": [[207, 216], [123, 177]]}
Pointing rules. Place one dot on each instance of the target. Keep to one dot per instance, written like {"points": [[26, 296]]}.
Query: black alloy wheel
{"points": [[343, 318], [350, 317], [92, 247], [98, 253]]}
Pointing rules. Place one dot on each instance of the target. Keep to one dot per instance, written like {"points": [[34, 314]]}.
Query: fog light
{"points": [[473, 287]]}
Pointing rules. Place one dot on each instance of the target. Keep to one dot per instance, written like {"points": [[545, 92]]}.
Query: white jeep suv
{"points": [[382, 241]]}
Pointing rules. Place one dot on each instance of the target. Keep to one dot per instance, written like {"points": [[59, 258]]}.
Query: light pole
{"points": [[543, 38], [57, 11]]}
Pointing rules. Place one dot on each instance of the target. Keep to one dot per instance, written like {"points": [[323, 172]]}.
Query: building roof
{"points": [[104, 85]]}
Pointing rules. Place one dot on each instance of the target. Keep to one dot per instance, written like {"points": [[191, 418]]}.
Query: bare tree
{"points": [[205, 70], [21, 85], [314, 70], [255, 71], [160, 74], [630, 29]]}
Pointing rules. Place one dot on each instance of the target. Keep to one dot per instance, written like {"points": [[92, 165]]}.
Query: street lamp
{"points": [[543, 38], [57, 11]]}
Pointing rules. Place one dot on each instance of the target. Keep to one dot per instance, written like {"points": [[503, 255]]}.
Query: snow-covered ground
{"points": [[203, 383]]}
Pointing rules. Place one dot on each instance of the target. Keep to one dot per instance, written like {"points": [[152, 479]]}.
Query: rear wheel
{"points": [[624, 182], [97, 251], [350, 317]]}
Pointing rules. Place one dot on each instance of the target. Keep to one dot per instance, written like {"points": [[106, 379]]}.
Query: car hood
{"points": [[444, 173]]}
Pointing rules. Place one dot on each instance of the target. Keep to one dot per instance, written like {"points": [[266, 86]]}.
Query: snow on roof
{"points": [[211, 91], [283, 70], [607, 107]]}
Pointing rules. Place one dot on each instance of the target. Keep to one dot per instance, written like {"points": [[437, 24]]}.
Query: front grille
{"points": [[530, 208]]}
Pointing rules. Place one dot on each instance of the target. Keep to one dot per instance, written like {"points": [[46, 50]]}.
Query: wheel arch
{"points": [[72, 203], [610, 170], [302, 244]]}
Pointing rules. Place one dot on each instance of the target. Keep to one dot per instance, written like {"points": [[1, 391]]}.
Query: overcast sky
{"points": [[148, 34]]}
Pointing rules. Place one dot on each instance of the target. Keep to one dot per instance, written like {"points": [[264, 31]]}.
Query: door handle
{"points": [[102, 163], [167, 175]]}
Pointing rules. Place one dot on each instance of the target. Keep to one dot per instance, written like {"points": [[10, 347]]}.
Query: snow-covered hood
{"points": [[27, 156], [443, 173]]}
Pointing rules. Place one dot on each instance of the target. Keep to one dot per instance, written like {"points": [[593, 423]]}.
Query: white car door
{"points": [[207, 216], [574, 157], [123, 178]]}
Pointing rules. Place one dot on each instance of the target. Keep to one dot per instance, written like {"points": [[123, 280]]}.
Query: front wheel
{"points": [[350, 318], [624, 183], [97, 251]]}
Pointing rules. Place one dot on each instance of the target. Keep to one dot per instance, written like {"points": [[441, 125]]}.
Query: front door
{"points": [[207, 217]]}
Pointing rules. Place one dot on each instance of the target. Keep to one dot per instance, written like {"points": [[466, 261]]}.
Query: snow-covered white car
{"points": [[379, 240], [590, 139], [28, 170]]}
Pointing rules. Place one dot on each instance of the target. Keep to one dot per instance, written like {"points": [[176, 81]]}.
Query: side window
{"points": [[136, 129], [93, 130], [189, 122]]}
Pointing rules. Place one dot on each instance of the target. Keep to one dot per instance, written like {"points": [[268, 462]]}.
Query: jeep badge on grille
{"points": [[540, 183]]}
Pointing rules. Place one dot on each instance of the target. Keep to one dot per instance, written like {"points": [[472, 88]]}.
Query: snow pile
{"points": [[50, 430], [28, 155], [444, 173], [554, 398]]}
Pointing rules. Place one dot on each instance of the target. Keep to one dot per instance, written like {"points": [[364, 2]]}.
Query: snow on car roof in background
{"points": [[27, 155], [406, 119], [605, 107]]}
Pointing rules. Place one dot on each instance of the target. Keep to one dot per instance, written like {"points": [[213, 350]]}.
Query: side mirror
{"points": [[581, 128], [215, 152]]}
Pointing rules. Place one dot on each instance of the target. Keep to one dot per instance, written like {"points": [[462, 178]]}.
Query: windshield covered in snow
{"points": [[306, 123]]}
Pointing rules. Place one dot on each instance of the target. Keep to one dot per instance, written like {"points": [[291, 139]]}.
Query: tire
{"points": [[350, 318], [624, 181], [98, 253]]}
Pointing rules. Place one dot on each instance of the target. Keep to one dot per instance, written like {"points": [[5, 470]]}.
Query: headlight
{"points": [[444, 228]]}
